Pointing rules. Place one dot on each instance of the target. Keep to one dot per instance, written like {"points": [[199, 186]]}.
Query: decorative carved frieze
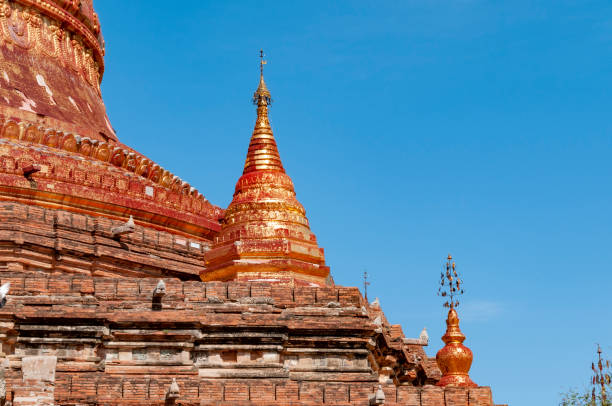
{"points": [[40, 26], [169, 188]]}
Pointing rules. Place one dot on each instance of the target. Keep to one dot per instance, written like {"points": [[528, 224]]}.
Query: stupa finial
{"points": [[262, 61], [262, 94], [263, 153]]}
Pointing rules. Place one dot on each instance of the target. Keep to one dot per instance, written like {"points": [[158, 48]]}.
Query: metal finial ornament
{"points": [[601, 377], [262, 61], [262, 96], [454, 359], [450, 284], [365, 285]]}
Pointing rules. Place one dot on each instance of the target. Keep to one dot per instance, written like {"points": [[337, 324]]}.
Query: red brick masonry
{"points": [[225, 343]]}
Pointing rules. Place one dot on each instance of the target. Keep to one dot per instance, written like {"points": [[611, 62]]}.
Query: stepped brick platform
{"points": [[44, 240], [105, 342]]}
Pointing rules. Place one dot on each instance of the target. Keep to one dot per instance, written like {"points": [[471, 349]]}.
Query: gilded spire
{"points": [[265, 234], [263, 153]]}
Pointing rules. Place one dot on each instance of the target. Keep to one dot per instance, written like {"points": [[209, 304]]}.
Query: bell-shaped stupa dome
{"points": [[265, 234], [59, 151]]}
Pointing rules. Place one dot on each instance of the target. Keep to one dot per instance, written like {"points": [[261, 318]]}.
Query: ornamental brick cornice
{"points": [[98, 177]]}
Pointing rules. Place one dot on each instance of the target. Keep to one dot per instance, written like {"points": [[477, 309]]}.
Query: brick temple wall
{"points": [[224, 343], [35, 239], [107, 390]]}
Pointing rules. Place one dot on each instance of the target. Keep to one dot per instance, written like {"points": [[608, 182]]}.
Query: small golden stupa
{"points": [[265, 235], [455, 359]]}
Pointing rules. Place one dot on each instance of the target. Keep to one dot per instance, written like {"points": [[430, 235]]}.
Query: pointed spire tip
{"points": [[262, 94]]}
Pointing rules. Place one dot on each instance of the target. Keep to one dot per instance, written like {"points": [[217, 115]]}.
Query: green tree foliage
{"points": [[576, 398], [601, 387]]}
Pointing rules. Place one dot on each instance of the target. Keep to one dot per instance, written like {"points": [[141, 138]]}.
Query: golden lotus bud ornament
{"points": [[455, 359]]}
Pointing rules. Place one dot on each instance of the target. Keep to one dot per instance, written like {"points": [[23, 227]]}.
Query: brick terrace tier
{"points": [[43, 240], [108, 341]]}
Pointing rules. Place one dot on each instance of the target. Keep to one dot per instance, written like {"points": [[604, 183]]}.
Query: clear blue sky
{"points": [[411, 129]]}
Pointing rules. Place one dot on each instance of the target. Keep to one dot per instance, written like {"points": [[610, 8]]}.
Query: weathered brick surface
{"points": [[305, 295], [408, 396], [225, 343], [289, 392], [37, 240], [260, 391], [456, 397], [130, 390], [432, 396], [481, 396]]}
